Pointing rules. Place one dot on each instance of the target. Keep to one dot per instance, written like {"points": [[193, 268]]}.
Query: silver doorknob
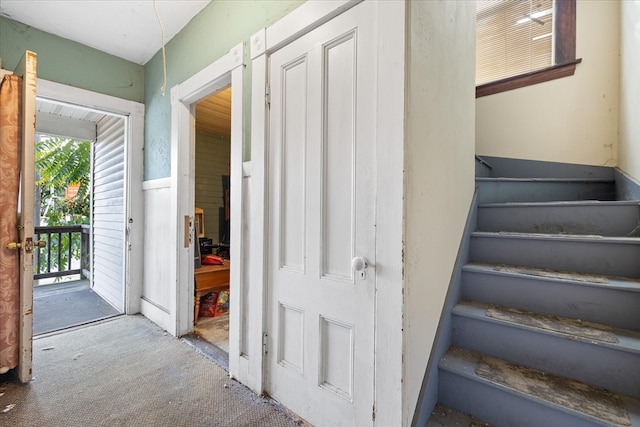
{"points": [[359, 263]]}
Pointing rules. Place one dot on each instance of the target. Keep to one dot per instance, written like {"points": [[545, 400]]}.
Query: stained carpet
{"points": [[57, 307], [128, 372]]}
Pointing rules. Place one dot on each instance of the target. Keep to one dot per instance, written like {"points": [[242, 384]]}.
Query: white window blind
{"points": [[512, 37]]}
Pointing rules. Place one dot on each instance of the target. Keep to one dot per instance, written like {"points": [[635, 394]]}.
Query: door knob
{"points": [[14, 246], [359, 263], [30, 244]]}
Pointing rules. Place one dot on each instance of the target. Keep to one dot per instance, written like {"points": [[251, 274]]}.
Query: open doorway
{"points": [[79, 216], [178, 319], [109, 264], [212, 217]]}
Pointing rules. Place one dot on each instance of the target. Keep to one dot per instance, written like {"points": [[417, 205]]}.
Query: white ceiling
{"points": [[127, 29]]}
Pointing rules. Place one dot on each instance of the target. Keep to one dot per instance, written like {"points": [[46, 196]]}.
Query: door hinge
{"points": [[264, 342], [267, 95]]}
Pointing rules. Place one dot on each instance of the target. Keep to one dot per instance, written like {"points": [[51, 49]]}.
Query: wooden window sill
{"points": [[528, 79]]}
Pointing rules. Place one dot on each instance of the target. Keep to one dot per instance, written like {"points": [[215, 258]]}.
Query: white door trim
{"points": [[134, 122], [390, 23], [229, 69]]}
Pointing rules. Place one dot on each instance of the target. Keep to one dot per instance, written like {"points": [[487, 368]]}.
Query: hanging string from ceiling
{"points": [[164, 57]]}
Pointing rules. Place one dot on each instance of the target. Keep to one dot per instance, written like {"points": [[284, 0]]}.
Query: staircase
{"points": [[547, 330]]}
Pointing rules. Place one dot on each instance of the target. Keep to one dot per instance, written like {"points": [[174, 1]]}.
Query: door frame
{"points": [[133, 113], [227, 70], [388, 338]]}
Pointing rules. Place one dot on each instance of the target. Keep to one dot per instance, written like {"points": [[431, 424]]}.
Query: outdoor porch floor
{"points": [[64, 305]]}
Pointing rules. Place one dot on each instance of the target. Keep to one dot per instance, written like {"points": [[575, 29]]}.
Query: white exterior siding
{"points": [[108, 213]]}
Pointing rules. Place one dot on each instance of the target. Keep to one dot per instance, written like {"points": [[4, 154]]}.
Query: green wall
{"points": [[67, 62], [209, 36]]}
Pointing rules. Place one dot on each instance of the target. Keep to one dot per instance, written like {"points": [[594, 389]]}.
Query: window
{"points": [[523, 42]]}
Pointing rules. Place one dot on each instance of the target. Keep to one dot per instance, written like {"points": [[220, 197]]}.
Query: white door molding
{"points": [[227, 70], [134, 119]]}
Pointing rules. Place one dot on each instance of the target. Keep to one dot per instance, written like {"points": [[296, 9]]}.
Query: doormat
{"points": [[594, 401], [54, 311], [573, 327], [577, 277]]}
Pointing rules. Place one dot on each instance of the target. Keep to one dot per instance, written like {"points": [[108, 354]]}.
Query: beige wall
{"points": [[573, 119], [438, 170], [629, 150]]}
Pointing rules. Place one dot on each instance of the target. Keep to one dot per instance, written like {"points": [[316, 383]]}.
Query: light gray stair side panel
{"points": [[509, 190], [500, 407], [600, 303], [592, 363], [601, 218], [606, 256]]}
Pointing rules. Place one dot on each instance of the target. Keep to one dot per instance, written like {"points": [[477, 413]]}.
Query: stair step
{"points": [[612, 218], [601, 299], [509, 394], [494, 190], [617, 256], [521, 168], [594, 353]]}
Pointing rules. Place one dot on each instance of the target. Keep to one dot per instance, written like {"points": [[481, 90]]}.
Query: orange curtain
{"points": [[10, 135]]}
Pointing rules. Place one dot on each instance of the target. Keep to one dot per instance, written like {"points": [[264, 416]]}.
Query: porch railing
{"points": [[67, 251]]}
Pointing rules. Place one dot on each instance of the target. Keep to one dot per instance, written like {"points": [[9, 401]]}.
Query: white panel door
{"points": [[108, 211], [320, 352]]}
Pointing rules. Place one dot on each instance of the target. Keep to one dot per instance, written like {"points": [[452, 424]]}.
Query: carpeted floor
{"points": [[64, 305], [128, 372]]}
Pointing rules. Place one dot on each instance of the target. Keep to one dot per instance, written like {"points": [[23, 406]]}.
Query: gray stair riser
{"points": [[604, 220], [483, 169], [502, 408], [499, 191], [590, 363], [598, 304], [520, 168], [593, 256]]}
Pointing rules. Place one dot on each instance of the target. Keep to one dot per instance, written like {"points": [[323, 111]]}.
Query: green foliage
{"points": [[61, 162]]}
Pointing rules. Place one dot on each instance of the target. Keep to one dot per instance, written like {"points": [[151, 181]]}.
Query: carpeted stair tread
{"points": [[575, 329], [558, 237], [574, 396], [624, 283], [564, 203], [578, 328]]}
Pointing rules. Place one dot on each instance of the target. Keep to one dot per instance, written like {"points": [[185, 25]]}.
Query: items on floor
{"points": [[214, 304], [211, 279]]}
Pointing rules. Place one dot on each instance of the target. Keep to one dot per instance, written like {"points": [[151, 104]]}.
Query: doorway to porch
{"points": [[79, 216]]}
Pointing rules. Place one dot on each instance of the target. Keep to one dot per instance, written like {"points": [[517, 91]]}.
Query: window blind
{"points": [[512, 37]]}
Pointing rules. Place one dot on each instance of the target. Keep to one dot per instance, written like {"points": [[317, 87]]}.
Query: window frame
{"points": [[564, 55]]}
